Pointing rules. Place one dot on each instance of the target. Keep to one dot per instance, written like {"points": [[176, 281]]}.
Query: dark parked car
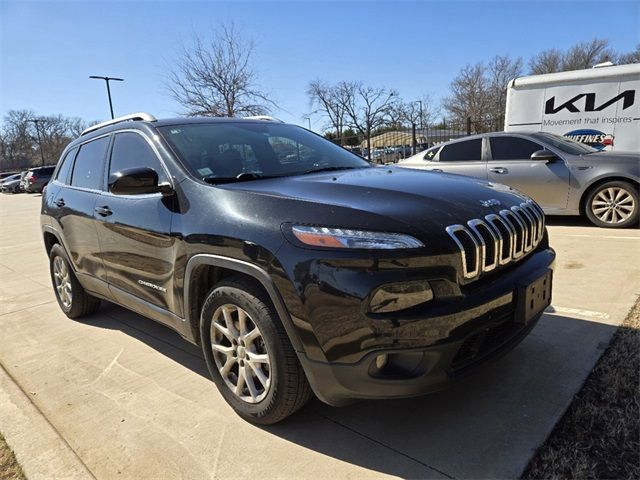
{"points": [[565, 176], [37, 179], [314, 272]]}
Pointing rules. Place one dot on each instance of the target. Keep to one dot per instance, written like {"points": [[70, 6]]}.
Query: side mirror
{"points": [[544, 156], [136, 181]]}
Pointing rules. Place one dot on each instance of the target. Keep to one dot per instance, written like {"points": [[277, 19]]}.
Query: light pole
{"points": [[35, 122], [308, 119], [419, 102], [106, 79]]}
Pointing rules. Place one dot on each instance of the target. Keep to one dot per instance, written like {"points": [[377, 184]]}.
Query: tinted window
{"points": [[462, 151], [431, 153], [65, 166], [220, 152], [88, 169], [131, 150], [512, 148]]}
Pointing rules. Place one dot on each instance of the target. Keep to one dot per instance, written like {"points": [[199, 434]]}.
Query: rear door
{"points": [[510, 163], [79, 188], [134, 230], [463, 158]]}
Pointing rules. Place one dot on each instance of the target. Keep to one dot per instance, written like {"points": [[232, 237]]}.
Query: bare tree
{"points": [[366, 107], [580, 56], [587, 54], [418, 112], [469, 94], [500, 71], [548, 61], [215, 77], [631, 57], [326, 99]]}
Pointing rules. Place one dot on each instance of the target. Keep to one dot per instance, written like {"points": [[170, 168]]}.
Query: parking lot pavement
{"points": [[133, 400]]}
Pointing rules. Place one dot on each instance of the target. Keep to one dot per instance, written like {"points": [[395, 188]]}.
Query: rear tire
{"points": [[244, 343], [74, 301], [613, 205]]}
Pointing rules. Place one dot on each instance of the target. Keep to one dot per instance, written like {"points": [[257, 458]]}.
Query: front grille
{"points": [[498, 239]]}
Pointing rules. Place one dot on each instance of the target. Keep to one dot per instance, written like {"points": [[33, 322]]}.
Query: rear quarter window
{"points": [[65, 166]]}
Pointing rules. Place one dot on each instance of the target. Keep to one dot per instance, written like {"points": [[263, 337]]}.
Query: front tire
{"points": [[249, 355], [613, 205], [72, 298]]}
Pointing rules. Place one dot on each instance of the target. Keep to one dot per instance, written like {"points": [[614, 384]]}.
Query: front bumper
{"points": [[432, 346]]}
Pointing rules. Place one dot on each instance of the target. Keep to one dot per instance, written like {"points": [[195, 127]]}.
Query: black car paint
{"points": [[120, 244]]}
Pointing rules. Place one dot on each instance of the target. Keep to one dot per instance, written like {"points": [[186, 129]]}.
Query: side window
{"points": [[130, 150], [88, 169], [431, 153], [65, 166], [468, 150], [512, 148]]}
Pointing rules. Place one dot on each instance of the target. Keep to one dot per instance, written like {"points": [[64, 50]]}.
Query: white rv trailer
{"points": [[599, 106]]}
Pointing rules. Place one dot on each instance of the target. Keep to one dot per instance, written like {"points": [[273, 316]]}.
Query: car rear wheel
{"points": [[613, 205], [71, 296], [249, 355]]}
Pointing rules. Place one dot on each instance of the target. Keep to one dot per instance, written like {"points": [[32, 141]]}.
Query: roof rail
{"points": [[266, 118], [147, 117]]}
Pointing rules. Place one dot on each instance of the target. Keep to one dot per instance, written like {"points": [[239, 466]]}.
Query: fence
{"points": [[395, 143]]}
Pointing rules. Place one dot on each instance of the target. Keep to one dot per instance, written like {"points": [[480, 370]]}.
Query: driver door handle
{"points": [[500, 170], [103, 211], [60, 202]]}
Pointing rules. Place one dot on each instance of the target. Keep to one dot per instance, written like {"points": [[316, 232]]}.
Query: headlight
{"points": [[345, 238]]}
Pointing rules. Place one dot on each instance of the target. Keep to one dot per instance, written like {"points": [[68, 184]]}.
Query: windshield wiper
{"points": [[243, 177], [330, 169]]}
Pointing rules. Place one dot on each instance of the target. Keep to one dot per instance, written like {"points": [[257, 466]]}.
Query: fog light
{"points": [[394, 297], [381, 361]]}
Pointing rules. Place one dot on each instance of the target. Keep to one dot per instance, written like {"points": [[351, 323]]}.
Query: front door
{"points": [[135, 230], [546, 182]]}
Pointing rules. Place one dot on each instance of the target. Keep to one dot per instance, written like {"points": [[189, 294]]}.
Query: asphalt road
{"points": [[124, 397]]}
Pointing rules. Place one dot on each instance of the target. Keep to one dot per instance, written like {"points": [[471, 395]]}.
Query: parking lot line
{"points": [[553, 309]]}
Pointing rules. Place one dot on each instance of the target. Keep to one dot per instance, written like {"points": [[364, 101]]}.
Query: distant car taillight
{"points": [[32, 179]]}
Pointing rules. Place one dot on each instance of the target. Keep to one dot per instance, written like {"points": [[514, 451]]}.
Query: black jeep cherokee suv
{"points": [[295, 264]]}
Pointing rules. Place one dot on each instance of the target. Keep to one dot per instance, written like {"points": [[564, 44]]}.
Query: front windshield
{"points": [[565, 144], [228, 151]]}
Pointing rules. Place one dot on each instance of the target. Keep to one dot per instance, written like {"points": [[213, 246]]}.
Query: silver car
{"points": [[564, 176]]}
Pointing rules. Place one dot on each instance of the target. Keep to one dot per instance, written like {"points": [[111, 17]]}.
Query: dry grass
{"points": [[599, 434], [9, 467]]}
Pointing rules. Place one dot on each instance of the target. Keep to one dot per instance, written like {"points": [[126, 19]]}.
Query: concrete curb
{"points": [[38, 447]]}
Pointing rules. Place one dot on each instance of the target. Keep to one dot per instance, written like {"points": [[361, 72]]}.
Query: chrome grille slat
{"points": [[498, 239]]}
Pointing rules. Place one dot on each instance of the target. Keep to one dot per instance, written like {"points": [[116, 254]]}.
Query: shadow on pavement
{"points": [[487, 425]]}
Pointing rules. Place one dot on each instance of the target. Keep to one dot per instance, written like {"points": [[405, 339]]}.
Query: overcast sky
{"points": [[50, 48]]}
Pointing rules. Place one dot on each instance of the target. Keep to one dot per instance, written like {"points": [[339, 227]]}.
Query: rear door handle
{"points": [[60, 202], [500, 170], [103, 211], [436, 170]]}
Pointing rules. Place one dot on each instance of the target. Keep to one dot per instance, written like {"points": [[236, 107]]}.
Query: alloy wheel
{"points": [[240, 353], [62, 281], [613, 205]]}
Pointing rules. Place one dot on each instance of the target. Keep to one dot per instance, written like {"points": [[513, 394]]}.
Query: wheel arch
{"points": [[600, 181], [203, 271]]}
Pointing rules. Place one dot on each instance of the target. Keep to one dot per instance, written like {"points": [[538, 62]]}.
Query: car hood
{"points": [[416, 198], [623, 157]]}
